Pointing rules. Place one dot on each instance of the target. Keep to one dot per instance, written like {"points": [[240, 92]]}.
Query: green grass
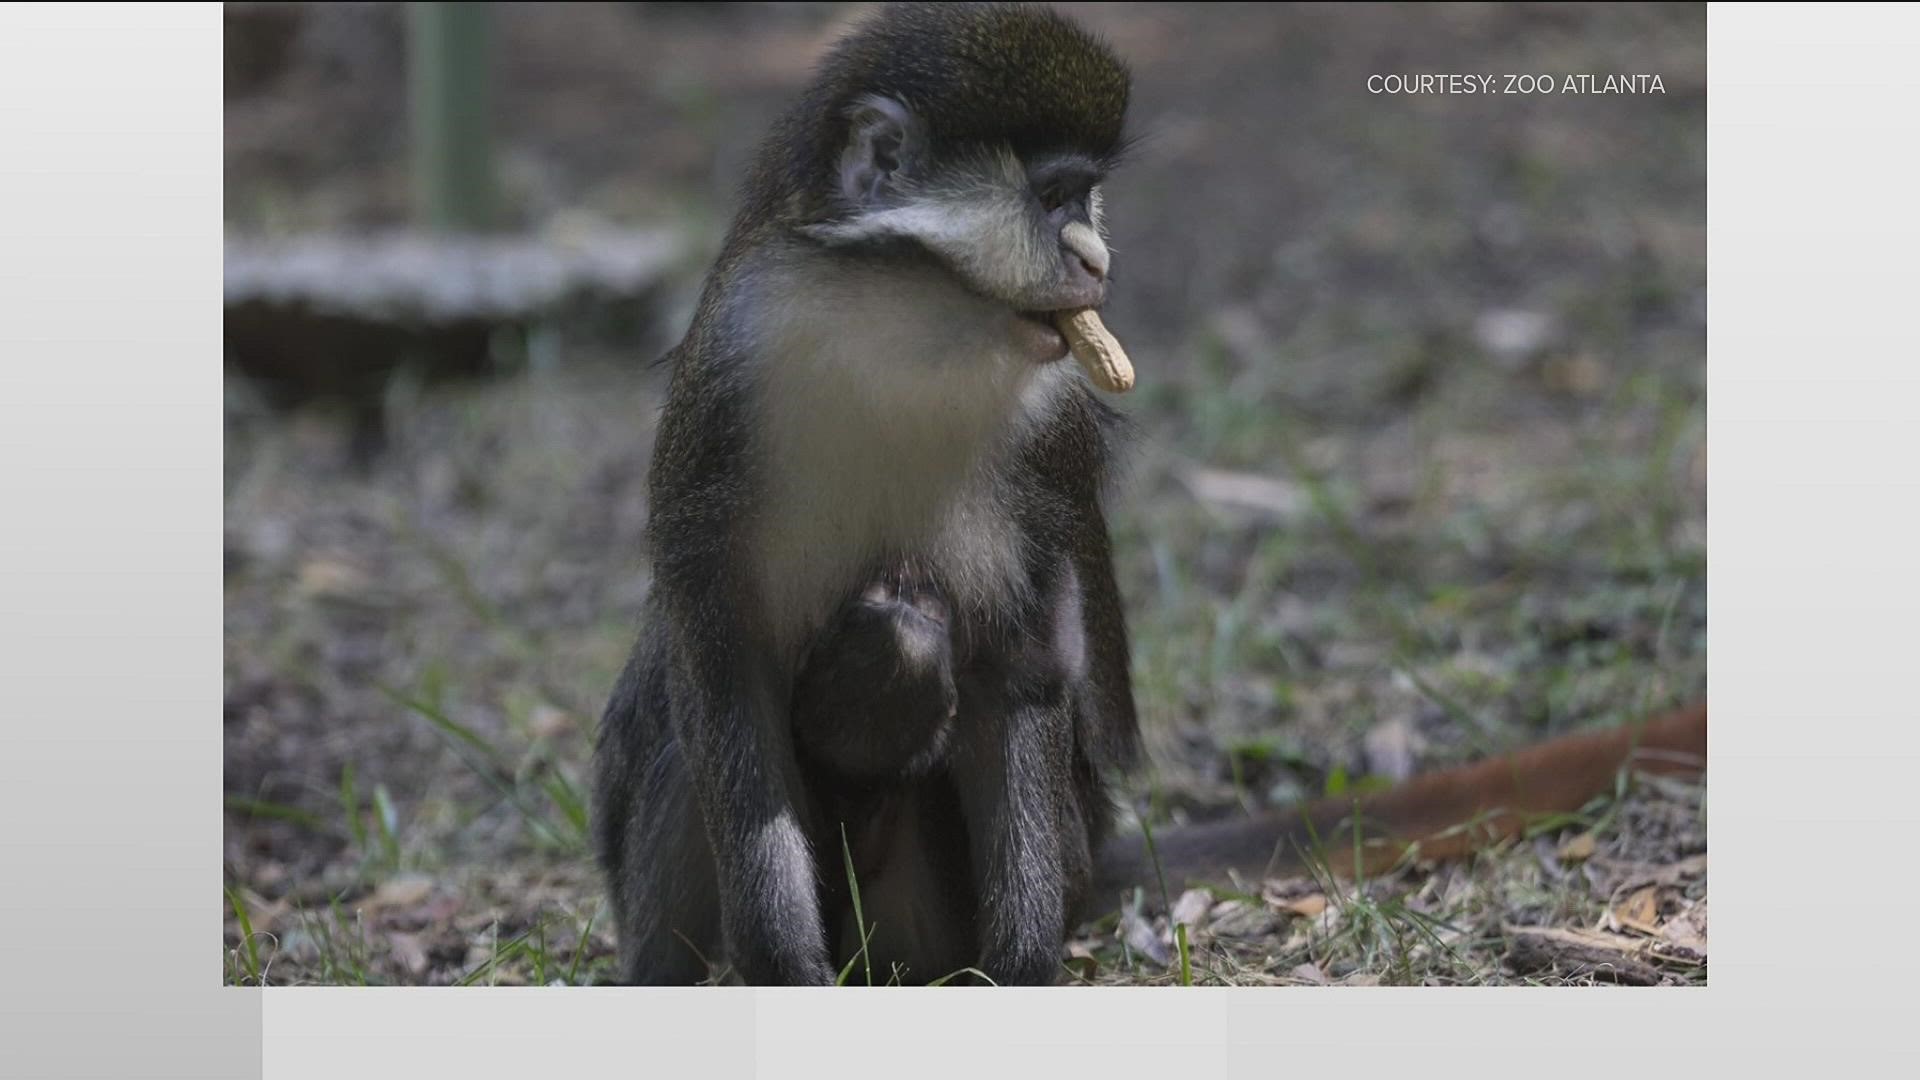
{"points": [[249, 950], [861, 956], [552, 805]]}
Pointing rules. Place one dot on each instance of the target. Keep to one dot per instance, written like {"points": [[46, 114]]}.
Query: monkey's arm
{"points": [[1031, 809], [1109, 728], [1447, 814], [728, 698], [1044, 726], [1028, 838], [1069, 463], [727, 721]]}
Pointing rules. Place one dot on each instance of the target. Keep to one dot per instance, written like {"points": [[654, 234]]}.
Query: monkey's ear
{"points": [[884, 141]]}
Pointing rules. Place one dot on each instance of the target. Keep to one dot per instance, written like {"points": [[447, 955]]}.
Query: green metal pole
{"points": [[449, 53]]}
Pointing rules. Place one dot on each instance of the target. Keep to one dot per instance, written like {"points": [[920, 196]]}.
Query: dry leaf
{"points": [[330, 578], [1686, 933], [1579, 849], [1639, 912], [1192, 908], [548, 722], [1512, 335], [399, 892], [1310, 973], [1393, 748], [1082, 961], [1140, 937], [406, 948], [1247, 491], [1306, 907], [1639, 873], [1239, 919]]}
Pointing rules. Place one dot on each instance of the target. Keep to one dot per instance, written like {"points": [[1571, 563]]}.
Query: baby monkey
{"points": [[875, 700]]}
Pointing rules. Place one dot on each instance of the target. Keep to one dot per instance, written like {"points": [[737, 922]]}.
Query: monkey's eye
{"points": [[1063, 184], [1055, 194]]}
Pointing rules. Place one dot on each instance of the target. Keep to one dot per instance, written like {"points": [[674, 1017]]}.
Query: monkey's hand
{"points": [[876, 697]]}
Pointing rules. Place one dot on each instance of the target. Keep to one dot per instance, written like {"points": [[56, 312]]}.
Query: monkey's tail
{"points": [[1445, 814]]}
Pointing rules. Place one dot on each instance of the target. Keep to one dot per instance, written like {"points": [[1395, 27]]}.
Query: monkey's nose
{"points": [[1087, 249]]}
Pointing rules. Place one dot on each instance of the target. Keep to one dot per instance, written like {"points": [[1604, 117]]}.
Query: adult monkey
{"points": [[883, 611]]}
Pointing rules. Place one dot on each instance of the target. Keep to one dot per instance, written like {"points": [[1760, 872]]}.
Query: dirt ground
{"points": [[1420, 476]]}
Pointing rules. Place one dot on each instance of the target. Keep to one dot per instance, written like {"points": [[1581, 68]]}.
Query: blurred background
{"points": [[1420, 472]]}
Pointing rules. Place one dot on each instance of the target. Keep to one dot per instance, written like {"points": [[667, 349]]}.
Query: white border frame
{"points": [[110, 129]]}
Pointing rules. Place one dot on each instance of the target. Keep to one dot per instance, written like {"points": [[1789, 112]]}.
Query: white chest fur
{"points": [[887, 405]]}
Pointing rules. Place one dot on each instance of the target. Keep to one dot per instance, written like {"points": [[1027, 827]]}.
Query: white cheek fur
{"points": [[978, 219]]}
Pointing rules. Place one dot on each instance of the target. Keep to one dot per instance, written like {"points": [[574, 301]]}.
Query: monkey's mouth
{"points": [[1040, 336]]}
